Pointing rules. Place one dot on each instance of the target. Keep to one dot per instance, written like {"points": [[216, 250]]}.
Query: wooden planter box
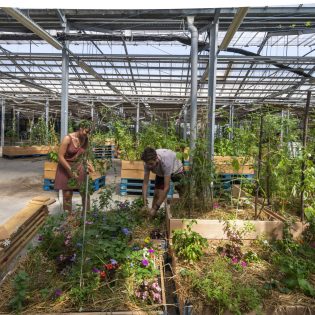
{"points": [[188, 309], [213, 229], [133, 170], [50, 169], [15, 151], [223, 165]]}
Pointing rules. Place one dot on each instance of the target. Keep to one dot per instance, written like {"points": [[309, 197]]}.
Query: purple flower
{"points": [[113, 262], [88, 222], [234, 260], [151, 250], [243, 264], [95, 270], [40, 238], [145, 262], [73, 257], [58, 293], [126, 231]]}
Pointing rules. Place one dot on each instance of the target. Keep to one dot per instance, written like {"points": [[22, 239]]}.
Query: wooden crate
{"points": [[213, 229], [133, 169], [50, 169], [14, 151], [223, 165]]}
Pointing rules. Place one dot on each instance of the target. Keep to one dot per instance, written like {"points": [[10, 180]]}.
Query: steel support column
{"points": [[92, 112], [2, 124], [193, 86], [17, 124], [231, 121], [47, 113], [212, 86], [138, 118], [185, 125], [64, 88]]}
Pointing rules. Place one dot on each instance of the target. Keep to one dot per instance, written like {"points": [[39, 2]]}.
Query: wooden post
{"points": [[305, 127]]}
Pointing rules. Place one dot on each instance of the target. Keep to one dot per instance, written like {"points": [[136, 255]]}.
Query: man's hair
{"points": [[148, 154]]}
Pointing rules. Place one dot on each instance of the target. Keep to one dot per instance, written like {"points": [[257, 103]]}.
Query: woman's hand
{"points": [[90, 167]]}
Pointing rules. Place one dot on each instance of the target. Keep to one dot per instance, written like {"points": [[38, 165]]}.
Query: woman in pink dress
{"points": [[72, 147]]}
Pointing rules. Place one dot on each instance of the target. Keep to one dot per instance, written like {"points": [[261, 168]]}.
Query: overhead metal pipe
{"points": [[193, 86]]}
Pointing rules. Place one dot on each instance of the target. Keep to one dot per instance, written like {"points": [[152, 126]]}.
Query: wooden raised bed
{"points": [[21, 227], [213, 229], [188, 309], [224, 165], [133, 169], [50, 169], [16, 151]]}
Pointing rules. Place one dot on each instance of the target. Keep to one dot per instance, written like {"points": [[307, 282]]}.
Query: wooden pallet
{"points": [[97, 183], [133, 186]]}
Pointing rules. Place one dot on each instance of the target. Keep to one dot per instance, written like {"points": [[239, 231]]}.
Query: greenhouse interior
{"points": [[157, 161]]}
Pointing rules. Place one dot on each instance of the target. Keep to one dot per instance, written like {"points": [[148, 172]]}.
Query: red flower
{"points": [[109, 266], [103, 274]]}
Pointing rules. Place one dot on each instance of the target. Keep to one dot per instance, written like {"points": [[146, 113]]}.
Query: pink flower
{"points": [[215, 205], [234, 260], [243, 263]]}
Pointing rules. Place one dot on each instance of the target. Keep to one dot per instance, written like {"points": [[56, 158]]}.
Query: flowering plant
{"points": [[149, 291]]}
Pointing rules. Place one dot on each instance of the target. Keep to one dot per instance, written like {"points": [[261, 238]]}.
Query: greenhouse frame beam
{"points": [[234, 26], [31, 25]]}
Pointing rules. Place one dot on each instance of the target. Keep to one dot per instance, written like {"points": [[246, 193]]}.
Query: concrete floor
{"points": [[22, 179]]}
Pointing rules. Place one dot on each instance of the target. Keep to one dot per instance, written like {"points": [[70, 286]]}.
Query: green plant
{"points": [[189, 245], [296, 272], [222, 292], [53, 156], [20, 283], [233, 249]]}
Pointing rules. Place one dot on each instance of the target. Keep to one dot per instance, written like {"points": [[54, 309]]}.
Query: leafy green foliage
{"points": [[223, 292], [296, 273], [20, 283], [40, 134], [189, 245]]}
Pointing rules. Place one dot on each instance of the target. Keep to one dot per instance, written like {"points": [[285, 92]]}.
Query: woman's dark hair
{"points": [[148, 154], [85, 124]]}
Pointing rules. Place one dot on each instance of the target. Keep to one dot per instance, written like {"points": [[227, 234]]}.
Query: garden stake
{"points": [[305, 126], [259, 163], [84, 222]]}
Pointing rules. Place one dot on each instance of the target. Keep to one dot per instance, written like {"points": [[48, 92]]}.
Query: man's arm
{"points": [[145, 187], [162, 197]]}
